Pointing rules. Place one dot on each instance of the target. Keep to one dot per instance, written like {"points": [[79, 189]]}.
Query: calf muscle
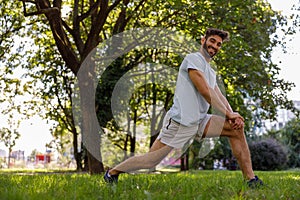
{"points": [[219, 126]]}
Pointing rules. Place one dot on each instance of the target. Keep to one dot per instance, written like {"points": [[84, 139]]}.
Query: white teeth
{"points": [[212, 49]]}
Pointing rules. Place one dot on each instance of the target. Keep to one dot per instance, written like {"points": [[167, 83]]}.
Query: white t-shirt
{"points": [[189, 106]]}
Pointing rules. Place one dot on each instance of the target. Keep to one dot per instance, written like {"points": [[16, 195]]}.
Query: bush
{"points": [[267, 154]]}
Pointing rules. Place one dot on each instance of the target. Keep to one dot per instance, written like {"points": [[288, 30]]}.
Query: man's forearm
{"points": [[225, 102], [216, 102], [223, 98]]}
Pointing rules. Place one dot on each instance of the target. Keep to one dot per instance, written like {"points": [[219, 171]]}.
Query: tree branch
{"points": [[113, 5], [53, 15], [76, 28], [96, 27], [136, 9], [92, 10]]}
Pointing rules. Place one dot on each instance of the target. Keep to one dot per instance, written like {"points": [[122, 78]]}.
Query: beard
{"points": [[206, 48]]}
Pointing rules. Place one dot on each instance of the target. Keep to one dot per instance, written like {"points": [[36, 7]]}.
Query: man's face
{"points": [[212, 44]]}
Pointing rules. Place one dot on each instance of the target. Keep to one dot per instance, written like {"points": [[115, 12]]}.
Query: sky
{"points": [[35, 131]]}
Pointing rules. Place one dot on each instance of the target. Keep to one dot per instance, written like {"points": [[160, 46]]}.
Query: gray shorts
{"points": [[177, 136]]}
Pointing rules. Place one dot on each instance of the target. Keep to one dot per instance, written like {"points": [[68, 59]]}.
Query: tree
{"points": [[85, 25], [9, 134], [11, 109], [63, 142], [11, 88]]}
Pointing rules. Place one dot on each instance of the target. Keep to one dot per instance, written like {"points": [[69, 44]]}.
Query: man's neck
{"points": [[205, 54]]}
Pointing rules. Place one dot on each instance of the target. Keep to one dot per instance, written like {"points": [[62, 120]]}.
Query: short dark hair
{"points": [[213, 31]]}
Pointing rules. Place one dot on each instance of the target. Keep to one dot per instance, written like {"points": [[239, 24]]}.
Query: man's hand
{"points": [[236, 120]]}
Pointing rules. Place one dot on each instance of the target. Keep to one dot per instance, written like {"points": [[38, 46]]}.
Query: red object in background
{"points": [[42, 157]]}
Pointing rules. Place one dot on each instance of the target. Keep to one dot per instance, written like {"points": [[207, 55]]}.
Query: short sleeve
{"points": [[193, 61]]}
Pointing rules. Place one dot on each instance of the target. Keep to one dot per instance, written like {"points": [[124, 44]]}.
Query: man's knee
{"points": [[230, 131], [238, 133]]}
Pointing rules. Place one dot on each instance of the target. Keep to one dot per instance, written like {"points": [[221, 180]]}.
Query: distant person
{"points": [[196, 90]]}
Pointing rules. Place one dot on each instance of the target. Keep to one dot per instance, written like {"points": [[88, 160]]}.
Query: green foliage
{"points": [[148, 102], [245, 63], [9, 137], [11, 23], [289, 135], [205, 185], [11, 52]]}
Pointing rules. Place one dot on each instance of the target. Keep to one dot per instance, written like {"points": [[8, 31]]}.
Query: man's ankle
{"points": [[249, 176], [112, 172]]}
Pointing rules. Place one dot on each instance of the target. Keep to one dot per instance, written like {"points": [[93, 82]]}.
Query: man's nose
{"points": [[215, 46]]}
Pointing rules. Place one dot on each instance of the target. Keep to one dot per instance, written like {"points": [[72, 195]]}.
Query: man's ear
{"points": [[203, 40]]}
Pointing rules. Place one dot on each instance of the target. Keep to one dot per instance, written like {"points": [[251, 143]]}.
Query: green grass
{"points": [[183, 185]]}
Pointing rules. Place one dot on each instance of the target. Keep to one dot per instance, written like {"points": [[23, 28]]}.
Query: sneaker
{"points": [[255, 182], [110, 178]]}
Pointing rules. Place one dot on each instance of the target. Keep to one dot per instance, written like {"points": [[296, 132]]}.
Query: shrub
{"points": [[267, 154]]}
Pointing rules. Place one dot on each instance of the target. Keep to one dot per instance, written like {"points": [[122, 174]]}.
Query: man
{"points": [[196, 90]]}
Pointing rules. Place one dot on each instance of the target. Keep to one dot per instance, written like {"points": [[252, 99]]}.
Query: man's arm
{"points": [[209, 94], [236, 123], [223, 98], [215, 98]]}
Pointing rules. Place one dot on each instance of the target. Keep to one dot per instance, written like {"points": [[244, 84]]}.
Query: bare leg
{"points": [[157, 153], [217, 126]]}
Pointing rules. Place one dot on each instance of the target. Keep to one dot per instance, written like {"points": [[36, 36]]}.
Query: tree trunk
{"points": [[95, 167], [153, 117], [77, 155], [127, 138], [184, 161], [85, 158], [9, 153], [90, 126], [133, 136], [90, 134]]}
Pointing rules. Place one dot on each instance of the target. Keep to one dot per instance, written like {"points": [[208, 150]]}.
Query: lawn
{"points": [[15, 185]]}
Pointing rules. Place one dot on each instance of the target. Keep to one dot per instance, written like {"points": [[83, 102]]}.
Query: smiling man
{"points": [[196, 91]]}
